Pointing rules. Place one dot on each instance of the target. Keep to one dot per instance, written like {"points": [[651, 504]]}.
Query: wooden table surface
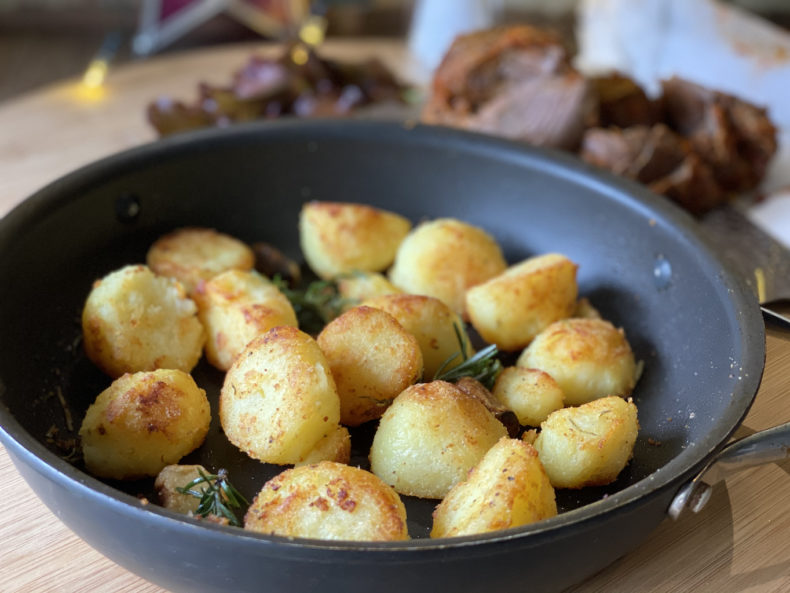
{"points": [[738, 543]]}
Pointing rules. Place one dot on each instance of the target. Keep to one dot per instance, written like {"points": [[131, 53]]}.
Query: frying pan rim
{"points": [[626, 193]]}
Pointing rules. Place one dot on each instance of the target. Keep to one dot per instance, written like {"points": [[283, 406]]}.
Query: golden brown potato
{"points": [[193, 255], [143, 422], [178, 476], [329, 501], [279, 399], [434, 325], [585, 309], [336, 446], [445, 257], [430, 437], [588, 445], [136, 321], [361, 286], [510, 309], [588, 358], [531, 394], [338, 238], [234, 307], [507, 488], [372, 359]]}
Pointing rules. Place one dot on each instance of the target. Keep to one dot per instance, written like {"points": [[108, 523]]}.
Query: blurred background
{"points": [[42, 41]]}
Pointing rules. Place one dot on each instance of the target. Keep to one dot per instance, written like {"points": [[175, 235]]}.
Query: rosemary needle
{"points": [[484, 366], [217, 497], [316, 305]]}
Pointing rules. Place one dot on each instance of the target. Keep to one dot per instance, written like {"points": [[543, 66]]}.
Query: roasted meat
{"points": [[622, 103], [267, 88], [694, 145], [736, 138], [514, 81], [658, 158], [711, 146]]}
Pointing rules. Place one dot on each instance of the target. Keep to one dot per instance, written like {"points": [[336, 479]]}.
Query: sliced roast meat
{"points": [[515, 82]]}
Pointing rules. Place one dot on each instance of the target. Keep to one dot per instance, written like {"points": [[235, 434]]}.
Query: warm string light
{"points": [[91, 86], [311, 34], [96, 73], [313, 30]]}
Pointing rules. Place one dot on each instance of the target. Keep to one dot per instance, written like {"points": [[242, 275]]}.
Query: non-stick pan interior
{"points": [[640, 263]]}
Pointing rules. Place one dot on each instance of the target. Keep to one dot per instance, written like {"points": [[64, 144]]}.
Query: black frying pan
{"points": [[641, 263]]}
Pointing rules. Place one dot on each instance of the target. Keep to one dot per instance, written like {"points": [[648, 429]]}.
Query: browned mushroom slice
{"points": [[477, 390], [272, 262]]}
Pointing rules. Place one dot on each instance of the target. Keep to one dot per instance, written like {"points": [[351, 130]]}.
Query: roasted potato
{"points": [[588, 445], [136, 321], [510, 309], [360, 286], [336, 446], [531, 394], [445, 257], [436, 327], [507, 488], [373, 358], [584, 308], [338, 238], [177, 476], [588, 358], [234, 307], [430, 437], [193, 255], [329, 501], [279, 399], [143, 422]]}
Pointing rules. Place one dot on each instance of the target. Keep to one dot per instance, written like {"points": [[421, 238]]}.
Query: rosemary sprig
{"points": [[483, 366], [315, 305], [217, 497]]}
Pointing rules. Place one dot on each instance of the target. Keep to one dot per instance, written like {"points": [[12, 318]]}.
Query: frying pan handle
{"points": [[762, 447]]}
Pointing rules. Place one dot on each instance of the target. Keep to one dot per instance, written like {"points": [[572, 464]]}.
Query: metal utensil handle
{"points": [[774, 317], [762, 447]]}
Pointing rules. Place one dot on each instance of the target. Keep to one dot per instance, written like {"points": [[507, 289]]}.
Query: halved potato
{"points": [[507, 488], [234, 307], [430, 437], [584, 308], [176, 476], [193, 255], [588, 358], [436, 327], [373, 358], [136, 321], [328, 501], [143, 422], [531, 394], [338, 238], [510, 309], [445, 257], [278, 399], [588, 445], [360, 286]]}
